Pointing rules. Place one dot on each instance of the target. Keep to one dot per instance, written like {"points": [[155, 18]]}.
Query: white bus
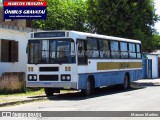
{"points": [[81, 61]]}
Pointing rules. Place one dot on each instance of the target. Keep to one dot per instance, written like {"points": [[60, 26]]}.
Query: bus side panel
{"points": [[118, 77], [135, 75], [82, 82], [108, 78], [101, 79], [104, 79]]}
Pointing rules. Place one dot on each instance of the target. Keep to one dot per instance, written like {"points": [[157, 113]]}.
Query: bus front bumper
{"points": [[61, 85]]}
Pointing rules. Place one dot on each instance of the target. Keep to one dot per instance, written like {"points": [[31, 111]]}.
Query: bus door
{"points": [[149, 68]]}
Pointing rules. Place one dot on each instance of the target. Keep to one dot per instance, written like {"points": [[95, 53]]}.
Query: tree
{"points": [[64, 15], [132, 19]]}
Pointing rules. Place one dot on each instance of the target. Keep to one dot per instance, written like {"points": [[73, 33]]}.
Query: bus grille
{"points": [[48, 78], [48, 69]]}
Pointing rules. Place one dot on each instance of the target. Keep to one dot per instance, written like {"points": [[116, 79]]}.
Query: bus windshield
{"points": [[51, 51]]}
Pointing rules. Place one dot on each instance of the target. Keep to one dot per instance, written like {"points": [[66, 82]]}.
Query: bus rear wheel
{"points": [[49, 91], [89, 88], [126, 82]]}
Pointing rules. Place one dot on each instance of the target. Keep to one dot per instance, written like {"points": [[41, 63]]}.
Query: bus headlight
{"points": [[63, 77], [32, 77], [35, 77], [66, 77]]}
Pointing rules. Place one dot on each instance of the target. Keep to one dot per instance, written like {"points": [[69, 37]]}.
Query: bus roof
{"points": [[104, 37], [84, 35]]}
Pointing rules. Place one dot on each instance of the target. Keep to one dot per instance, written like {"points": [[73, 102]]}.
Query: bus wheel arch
{"points": [[90, 85], [92, 79], [126, 81]]}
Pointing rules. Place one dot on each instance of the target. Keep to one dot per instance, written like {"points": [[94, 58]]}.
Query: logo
{"points": [[6, 114], [24, 9], [124, 65], [22, 114]]}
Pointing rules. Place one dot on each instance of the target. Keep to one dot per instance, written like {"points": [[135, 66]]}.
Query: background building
{"points": [[150, 66], [13, 42], [13, 57]]}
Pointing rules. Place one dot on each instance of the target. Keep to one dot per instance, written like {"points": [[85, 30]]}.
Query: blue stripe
{"points": [[108, 78]]}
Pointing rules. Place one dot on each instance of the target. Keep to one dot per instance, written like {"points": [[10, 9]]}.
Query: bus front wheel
{"points": [[89, 88], [49, 91]]}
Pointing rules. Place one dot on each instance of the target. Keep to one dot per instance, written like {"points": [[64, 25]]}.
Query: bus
{"points": [[75, 60]]}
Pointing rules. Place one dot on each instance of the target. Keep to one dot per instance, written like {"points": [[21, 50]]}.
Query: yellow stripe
{"points": [[118, 65]]}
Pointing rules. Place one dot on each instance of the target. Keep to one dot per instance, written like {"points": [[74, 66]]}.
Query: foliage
{"points": [[132, 19], [64, 15], [156, 42]]}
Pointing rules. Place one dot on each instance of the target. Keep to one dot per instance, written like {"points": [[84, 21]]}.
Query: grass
{"points": [[7, 99], [19, 98], [28, 92]]}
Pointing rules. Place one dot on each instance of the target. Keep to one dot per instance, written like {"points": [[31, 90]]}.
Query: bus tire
{"points": [[49, 91], [89, 88], [126, 82]]}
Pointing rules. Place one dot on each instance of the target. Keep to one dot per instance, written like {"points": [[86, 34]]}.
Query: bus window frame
{"points": [[109, 50], [139, 52], [39, 39], [114, 50], [97, 46], [85, 49], [119, 49], [124, 51], [130, 52]]}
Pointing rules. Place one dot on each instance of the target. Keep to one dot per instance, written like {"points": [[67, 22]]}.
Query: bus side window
{"points": [[132, 50], [124, 50], [92, 48], [114, 49], [138, 50], [82, 58], [104, 49]]}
